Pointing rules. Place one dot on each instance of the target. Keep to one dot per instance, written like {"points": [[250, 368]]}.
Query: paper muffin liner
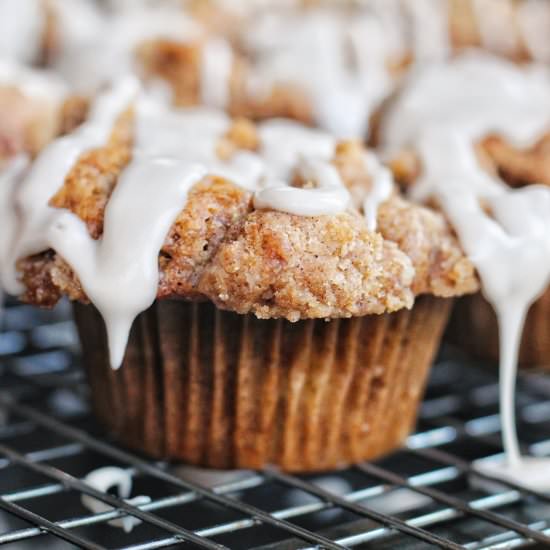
{"points": [[222, 390], [474, 328]]}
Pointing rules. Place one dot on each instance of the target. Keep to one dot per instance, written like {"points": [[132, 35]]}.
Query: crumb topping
{"points": [[266, 262]]}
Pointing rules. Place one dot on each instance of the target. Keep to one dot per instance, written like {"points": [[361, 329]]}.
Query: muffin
{"points": [[269, 297], [485, 142]]}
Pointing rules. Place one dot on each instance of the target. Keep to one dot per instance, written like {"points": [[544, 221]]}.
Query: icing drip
{"points": [[119, 272], [49, 171], [107, 478], [505, 232]]}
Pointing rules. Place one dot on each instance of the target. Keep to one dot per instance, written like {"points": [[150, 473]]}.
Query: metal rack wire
{"points": [[422, 496]]}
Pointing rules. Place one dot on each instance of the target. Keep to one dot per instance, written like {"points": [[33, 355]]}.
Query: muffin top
{"points": [[142, 201]]}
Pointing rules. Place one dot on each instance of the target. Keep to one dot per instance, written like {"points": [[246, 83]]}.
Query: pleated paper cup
{"points": [[222, 390], [474, 328]]}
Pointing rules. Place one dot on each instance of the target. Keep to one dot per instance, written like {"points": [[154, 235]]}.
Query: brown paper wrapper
{"points": [[222, 390], [474, 328]]}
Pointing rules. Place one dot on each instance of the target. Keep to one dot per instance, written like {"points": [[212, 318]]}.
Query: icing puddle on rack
{"points": [[505, 232], [531, 472]]}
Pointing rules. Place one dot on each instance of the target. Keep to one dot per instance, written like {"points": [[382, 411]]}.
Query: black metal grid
{"points": [[420, 497]]}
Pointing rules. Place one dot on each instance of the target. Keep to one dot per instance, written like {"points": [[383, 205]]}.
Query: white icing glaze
{"points": [[48, 173], [469, 84], [107, 478], [119, 272], [532, 472], [184, 133], [216, 67], [289, 148], [283, 143], [329, 196], [34, 83], [21, 28], [443, 112]]}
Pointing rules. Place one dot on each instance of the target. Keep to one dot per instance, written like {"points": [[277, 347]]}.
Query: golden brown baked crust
{"points": [[420, 232], [266, 262], [281, 265], [424, 235], [92, 179]]}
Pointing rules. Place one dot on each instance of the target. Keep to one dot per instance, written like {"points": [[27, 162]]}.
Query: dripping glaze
{"points": [[442, 118], [112, 477], [49, 171], [119, 271]]}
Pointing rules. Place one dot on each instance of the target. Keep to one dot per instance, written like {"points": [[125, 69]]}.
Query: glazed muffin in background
{"points": [[499, 127], [327, 64], [308, 60], [281, 328]]}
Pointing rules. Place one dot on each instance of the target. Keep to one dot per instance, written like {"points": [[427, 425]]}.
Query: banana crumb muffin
{"points": [[267, 292]]}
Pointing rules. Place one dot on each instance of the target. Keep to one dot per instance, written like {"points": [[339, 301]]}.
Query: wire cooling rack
{"points": [[425, 495]]}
